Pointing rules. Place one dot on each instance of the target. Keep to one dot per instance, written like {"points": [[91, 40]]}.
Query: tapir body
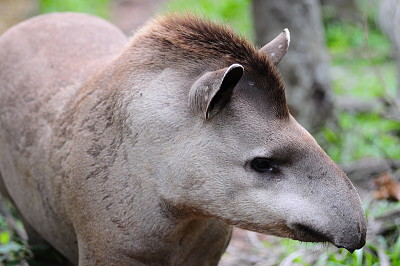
{"points": [[146, 152]]}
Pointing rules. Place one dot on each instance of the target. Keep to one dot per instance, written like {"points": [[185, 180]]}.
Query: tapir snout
{"points": [[329, 207], [344, 226]]}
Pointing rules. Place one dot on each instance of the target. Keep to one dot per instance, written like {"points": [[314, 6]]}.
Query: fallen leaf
{"points": [[387, 188]]}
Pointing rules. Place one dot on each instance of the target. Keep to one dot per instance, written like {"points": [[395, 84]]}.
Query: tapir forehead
{"points": [[251, 122], [260, 99]]}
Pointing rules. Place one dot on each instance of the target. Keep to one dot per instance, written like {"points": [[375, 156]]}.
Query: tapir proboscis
{"points": [[148, 151]]}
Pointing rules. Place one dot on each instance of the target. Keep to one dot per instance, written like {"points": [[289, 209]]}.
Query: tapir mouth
{"points": [[307, 234]]}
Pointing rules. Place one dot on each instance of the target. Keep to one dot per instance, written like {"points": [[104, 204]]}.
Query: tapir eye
{"points": [[264, 165]]}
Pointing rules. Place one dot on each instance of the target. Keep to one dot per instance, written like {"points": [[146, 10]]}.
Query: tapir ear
{"points": [[278, 47], [210, 93]]}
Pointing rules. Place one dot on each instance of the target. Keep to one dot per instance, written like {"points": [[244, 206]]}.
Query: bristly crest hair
{"points": [[193, 40]]}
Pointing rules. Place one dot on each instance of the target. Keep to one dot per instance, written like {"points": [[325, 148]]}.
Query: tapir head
{"points": [[248, 162]]}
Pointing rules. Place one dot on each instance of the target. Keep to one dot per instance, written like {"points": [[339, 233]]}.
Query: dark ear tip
{"points": [[236, 67], [232, 76], [234, 70]]}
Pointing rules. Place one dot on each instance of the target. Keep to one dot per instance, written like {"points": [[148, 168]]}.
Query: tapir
{"points": [[147, 151]]}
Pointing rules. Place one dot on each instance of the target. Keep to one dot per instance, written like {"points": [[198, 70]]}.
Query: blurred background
{"points": [[341, 75]]}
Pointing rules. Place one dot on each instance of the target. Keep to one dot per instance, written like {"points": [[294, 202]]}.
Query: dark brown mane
{"points": [[194, 40]]}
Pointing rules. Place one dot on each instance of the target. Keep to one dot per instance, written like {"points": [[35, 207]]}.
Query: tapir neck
{"points": [[197, 241], [111, 140]]}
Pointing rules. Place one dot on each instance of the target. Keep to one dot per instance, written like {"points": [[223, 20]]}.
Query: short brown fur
{"points": [[177, 39]]}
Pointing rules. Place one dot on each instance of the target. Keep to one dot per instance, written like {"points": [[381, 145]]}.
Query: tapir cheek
{"points": [[294, 208], [275, 207]]}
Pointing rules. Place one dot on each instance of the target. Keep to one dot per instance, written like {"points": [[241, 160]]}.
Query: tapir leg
{"points": [[3, 190], [44, 254]]}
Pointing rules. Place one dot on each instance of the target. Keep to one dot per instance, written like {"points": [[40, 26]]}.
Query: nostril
{"points": [[362, 230], [362, 241]]}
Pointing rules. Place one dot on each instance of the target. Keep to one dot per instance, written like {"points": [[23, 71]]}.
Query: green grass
{"points": [[376, 247]]}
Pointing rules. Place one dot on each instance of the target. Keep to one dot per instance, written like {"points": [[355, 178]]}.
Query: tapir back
{"points": [[52, 55], [43, 64]]}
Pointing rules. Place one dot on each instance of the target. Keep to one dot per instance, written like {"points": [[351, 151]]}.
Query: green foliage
{"points": [[12, 249], [362, 69], [361, 135], [236, 13], [354, 79], [95, 7], [348, 41], [340, 37]]}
